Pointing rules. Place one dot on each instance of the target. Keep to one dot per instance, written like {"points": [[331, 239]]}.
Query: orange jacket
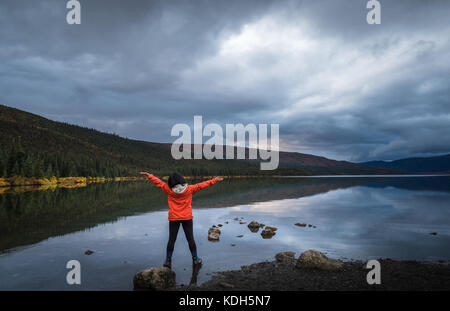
{"points": [[180, 204]]}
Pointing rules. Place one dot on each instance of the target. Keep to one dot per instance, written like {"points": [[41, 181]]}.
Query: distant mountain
{"points": [[33, 146], [316, 165], [433, 165]]}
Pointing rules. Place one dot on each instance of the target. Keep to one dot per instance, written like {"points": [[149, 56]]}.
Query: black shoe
{"points": [[168, 264], [197, 262]]}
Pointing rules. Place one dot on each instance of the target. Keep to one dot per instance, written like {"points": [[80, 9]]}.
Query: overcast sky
{"points": [[337, 86]]}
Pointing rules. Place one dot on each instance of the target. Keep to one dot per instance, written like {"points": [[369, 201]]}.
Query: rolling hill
{"points": [[433, 165], [32, 145]]}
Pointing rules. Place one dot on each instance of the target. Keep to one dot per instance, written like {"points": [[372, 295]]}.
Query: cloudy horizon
{"points": [[337, 86]]}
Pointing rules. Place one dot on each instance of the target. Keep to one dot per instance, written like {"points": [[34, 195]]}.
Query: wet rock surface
{"points": [[300, 224], [254, 226], [288, 257], [156, 279], [214, 234], [267, 233], [313, 259]]}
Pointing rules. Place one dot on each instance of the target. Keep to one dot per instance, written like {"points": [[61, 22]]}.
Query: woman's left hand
{"points": [[218, 178]]}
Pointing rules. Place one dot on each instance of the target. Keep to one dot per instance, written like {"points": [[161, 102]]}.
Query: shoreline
{"points": [[12, 182], [17, 181], [397, 275]]}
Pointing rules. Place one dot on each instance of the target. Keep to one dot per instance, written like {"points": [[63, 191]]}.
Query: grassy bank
{"points": [[67, 181], [63, 181]]}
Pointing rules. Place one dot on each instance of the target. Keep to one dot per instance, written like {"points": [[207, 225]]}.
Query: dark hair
{"points": [[176, 179]]}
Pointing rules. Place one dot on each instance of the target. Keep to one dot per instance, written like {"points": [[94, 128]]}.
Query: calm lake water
{"points": [[125, 224]]}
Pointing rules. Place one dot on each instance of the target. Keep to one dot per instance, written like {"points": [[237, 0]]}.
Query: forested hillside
{"points": [[33, 146]]}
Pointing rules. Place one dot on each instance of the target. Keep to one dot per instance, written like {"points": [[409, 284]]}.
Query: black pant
{"points": [[188, 231]]}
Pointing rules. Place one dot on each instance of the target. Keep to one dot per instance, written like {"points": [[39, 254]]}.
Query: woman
{"points": [[179, 197]]}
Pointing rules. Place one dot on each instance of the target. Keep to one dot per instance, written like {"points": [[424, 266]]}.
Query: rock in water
{"points": [[313, 259], [272, 228], [300, 225], [285, 257], [156, 278], [214, 237], [267, 233], [213, 234], [214, 230], [253, 224]]}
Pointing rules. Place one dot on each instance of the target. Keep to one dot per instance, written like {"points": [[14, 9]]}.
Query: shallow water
{"points": [[125, 224]]}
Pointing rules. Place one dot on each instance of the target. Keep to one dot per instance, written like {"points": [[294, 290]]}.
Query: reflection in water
{"points": [[125, 224], [195, 271], [30, 217]]}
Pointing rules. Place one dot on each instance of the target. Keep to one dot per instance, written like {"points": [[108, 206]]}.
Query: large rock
{"points": [[267, 233], [285, 257], [313, 259], [214, 234], [156, 278]]}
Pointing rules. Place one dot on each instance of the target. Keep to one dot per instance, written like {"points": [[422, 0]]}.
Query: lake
{"points": [[125, 224]]}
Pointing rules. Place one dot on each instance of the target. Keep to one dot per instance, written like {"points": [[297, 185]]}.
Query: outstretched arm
{"points": [[158, 182], [203, 185]]}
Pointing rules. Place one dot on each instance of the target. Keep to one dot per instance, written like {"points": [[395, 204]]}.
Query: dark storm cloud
{"points": [[338, 86]]}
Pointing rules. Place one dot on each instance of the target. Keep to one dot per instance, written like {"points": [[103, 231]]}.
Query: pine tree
{"points": [[28, 167], [38, 170], [3, 163], [15, 169], [2, 169], [49, 172]]}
